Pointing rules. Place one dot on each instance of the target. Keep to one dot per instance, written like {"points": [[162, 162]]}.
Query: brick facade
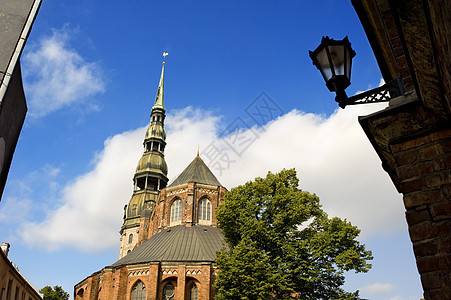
{"points": [[190, 194], [412, 136], [118, 282], [423, 166]]}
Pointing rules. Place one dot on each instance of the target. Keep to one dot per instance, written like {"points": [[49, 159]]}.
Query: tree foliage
{"points": [[282, 245], [55, 293]]}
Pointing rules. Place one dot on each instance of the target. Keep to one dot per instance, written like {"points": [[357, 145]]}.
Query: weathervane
{"points": [[164, 56]]}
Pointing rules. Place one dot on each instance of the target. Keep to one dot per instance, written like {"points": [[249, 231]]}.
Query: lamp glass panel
{"points": [[337, 55], [323, 63], [348, 63]]}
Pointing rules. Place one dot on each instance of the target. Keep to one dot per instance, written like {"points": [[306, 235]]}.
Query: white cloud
{"points": [[333, 158], [14, 210], [56, 76], [377, 288], [91, 206]]}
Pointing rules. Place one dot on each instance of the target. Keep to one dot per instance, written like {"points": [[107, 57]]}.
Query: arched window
{"points": [[139, 291], [176, 212], [80, 294], [130, 238], [193, 292], [168, 291], [204, 212], [133, 210]]}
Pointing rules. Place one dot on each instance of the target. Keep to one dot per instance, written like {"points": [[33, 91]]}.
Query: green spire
{"points": [[159, 100]]}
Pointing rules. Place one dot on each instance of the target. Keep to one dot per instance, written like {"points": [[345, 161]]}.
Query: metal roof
{"points": [[178, 243], [197, 171]]}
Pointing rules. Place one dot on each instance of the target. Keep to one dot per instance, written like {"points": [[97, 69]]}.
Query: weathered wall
{"points": [[413, 135]]}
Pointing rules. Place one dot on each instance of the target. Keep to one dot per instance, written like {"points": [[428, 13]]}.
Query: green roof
{"points": [[178, 243], [197, 171]]}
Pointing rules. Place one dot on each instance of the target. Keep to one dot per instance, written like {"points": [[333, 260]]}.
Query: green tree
{"points": [[282, 245], [55, 293]]}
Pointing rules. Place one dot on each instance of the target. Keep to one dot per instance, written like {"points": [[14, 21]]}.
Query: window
{"points": [[133, 210], [176, 212], [139, 291], [8, 291], [80, 294], [204, 212], [140, 183], [168, 292], [130, 238], [193, 292]]}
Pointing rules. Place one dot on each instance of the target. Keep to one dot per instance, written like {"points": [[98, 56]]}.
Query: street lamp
{"points": [[334, 60]]}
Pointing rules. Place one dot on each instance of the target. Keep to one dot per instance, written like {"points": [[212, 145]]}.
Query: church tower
{"points": [[150, 175], [170, 234]]}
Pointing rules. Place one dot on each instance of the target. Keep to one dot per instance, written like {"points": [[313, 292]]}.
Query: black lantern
{"points": [[334, 60]]}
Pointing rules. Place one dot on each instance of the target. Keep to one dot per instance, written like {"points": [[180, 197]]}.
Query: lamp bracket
{"points": [[384, 93]]}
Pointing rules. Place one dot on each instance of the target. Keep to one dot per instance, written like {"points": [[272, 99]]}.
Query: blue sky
{"points": [[91, 70]]}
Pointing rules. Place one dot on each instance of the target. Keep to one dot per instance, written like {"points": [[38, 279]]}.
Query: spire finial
{"points": [[198, 148], [164, 56], [159, 100]]}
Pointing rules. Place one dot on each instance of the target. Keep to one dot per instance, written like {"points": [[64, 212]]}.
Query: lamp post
{"points": [[334, 60]]}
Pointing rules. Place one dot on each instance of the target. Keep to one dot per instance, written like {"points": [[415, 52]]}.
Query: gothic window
{"points": [[176, 212], [204, 212], [168, 292], [139, 291], [193, 292], [130, 238], [80, 294]]}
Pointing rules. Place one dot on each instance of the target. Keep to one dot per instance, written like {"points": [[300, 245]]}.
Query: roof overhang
{"points": [[16, 19]]}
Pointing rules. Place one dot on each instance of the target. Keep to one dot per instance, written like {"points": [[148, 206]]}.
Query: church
{"points": [[169, 235]]}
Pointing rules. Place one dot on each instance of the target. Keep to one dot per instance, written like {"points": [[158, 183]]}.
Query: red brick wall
{"points": [[118, 283], [423, 167], [190, 194]]}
